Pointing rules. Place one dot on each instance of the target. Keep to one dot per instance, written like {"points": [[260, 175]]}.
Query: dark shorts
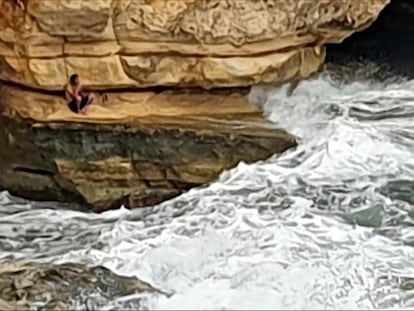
{"points": [[74, 107]]}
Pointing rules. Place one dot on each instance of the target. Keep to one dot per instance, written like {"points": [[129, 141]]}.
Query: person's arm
{"points": [[82, 91], [69, 94]]}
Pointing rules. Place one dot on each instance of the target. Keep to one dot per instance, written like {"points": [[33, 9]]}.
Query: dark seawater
{"points": [[328, 225]]}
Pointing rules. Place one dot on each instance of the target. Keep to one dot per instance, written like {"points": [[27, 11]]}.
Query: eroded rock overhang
{"points": [[116, 44]]}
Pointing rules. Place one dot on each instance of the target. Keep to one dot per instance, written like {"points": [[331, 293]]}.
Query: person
{"points": [[78, 100]]}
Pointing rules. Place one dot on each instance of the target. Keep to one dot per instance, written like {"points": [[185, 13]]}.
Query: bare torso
{"points": [[73, 93]]}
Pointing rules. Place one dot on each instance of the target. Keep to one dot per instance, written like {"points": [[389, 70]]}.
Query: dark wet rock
{"points": [[387, 45], [36, 286], [367, 217], [407, 283], [402, 190]]}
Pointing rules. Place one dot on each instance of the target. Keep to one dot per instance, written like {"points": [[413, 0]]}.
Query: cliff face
{"points": [[140, 43], [141, 146]]}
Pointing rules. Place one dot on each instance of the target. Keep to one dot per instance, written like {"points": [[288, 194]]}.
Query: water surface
{"points": [[328, 225]]}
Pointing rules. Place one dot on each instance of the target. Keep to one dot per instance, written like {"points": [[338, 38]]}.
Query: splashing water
{"points": [[328, 225]]}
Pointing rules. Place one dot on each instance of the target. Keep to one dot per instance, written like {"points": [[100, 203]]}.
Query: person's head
{"points": [[74, 79]]}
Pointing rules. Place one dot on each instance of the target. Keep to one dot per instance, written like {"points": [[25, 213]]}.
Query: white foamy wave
{"points": [[308, 229]]}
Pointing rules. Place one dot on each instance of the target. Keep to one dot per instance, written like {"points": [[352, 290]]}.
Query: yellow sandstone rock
{"points": [[142, 43]]}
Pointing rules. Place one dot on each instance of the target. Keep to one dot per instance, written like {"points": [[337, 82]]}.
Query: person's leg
{"points": [[84, 104], [73, 106], [86, 101], [91, 98]]}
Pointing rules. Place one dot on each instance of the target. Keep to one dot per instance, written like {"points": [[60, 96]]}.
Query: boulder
{"points": [[69, 286]]}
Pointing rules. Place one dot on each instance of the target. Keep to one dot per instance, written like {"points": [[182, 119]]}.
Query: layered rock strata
{"points": [[133, 149], [140, 146], [140, 43]]}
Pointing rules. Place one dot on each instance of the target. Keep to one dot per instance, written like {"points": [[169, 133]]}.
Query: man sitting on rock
{"points": [[78, 100]]}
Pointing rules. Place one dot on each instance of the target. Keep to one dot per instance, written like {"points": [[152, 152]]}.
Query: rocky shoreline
{"points": [[143, 146]]}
